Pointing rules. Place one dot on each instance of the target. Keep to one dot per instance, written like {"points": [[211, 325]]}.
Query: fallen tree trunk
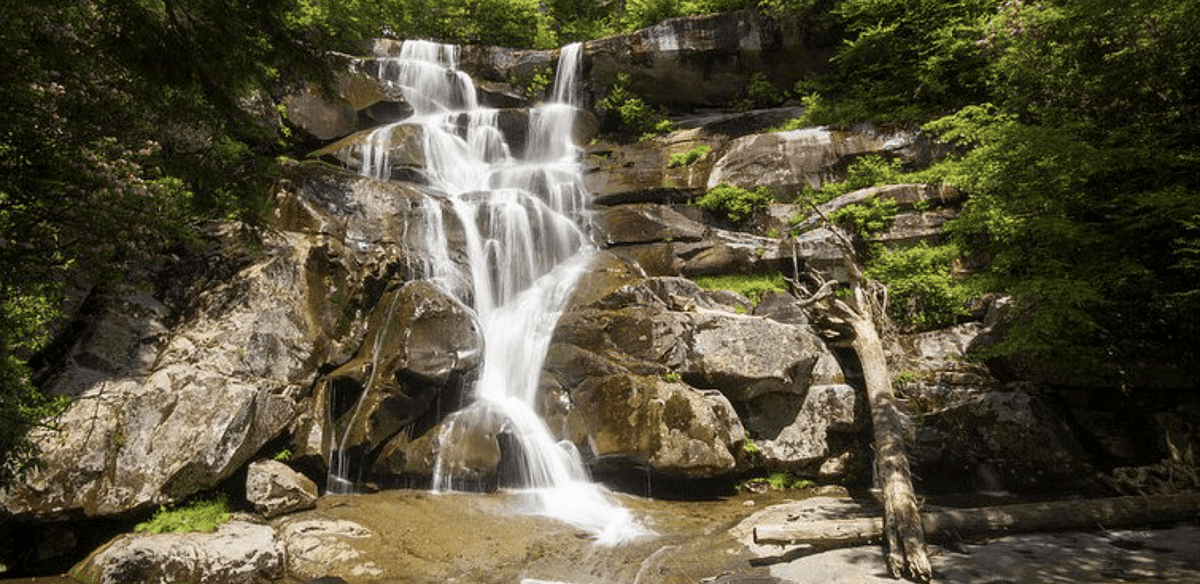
{"points": [[902, 515], [902, 527], [1016, 518]]}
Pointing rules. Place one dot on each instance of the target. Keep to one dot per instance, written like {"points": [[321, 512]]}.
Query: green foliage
{"points": [[1081, 174], [866, 171], [637, 117], [203, 515], [22, 409], [749, 447], [536, 83], [867, 218], [642, 13], [735, 203], [871, 216], [786, 480], [686, 158], [283, 455], [819, 111], [779, 481], [751, 286], [906, 57], [921, 290], [759, 93]]}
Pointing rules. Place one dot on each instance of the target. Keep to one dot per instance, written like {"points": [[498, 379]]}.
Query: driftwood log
{"points": [[1001, 519]]}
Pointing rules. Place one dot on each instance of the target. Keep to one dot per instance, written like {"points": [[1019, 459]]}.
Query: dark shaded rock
{"points": [[999, 441], [418, 339], [644, 223], [704, 61]]}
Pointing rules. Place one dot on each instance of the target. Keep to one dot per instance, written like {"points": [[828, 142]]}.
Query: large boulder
{"points": [[705, 61], [972, 431], [632, 344], [177, 390], [316, 548], [357, 100], [420, 340], [805, 441], [789, 161], [1000, 441], [643, 223], [238, 552], [160, 416], [658, 423]]}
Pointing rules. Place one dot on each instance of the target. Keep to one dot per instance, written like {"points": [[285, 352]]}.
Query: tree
{"points": [[125, 121], [1082, 180], [906, 58]]}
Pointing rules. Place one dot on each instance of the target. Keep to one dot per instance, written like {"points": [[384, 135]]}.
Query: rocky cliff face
{"points": [[261, 341]]}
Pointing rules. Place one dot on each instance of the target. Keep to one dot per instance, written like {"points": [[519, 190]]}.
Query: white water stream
{"points": [[524, 248]]}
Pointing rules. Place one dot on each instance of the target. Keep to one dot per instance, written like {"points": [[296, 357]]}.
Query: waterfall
{"points": [[520, 221]]}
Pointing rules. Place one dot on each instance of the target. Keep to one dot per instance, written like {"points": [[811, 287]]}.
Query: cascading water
{"points": [[519, 218]]}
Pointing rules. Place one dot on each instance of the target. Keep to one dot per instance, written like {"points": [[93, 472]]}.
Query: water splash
{"points": [[520, 222]]}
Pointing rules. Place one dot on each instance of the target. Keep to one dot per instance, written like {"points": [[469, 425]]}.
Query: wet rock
{"points": [[238, 552], [668, 426], [467, 448], [418, 339], [644, 223], [275, 489], [401, 145]]}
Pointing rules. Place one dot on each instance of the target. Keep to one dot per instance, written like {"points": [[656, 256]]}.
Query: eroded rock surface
{"points": [[238, 552]]}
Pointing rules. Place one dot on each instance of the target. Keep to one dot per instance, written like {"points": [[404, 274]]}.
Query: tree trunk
{"points": [[1022, 517], [905, 536], [902, 519]]}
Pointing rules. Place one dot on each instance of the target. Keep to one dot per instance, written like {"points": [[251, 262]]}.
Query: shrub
{"points": [[202, 515], [752, 287], [867, 171], [786, 480], [638, 118], [760, 92], [867, 218], [734, 203], [921, 289], [686, 158]]}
